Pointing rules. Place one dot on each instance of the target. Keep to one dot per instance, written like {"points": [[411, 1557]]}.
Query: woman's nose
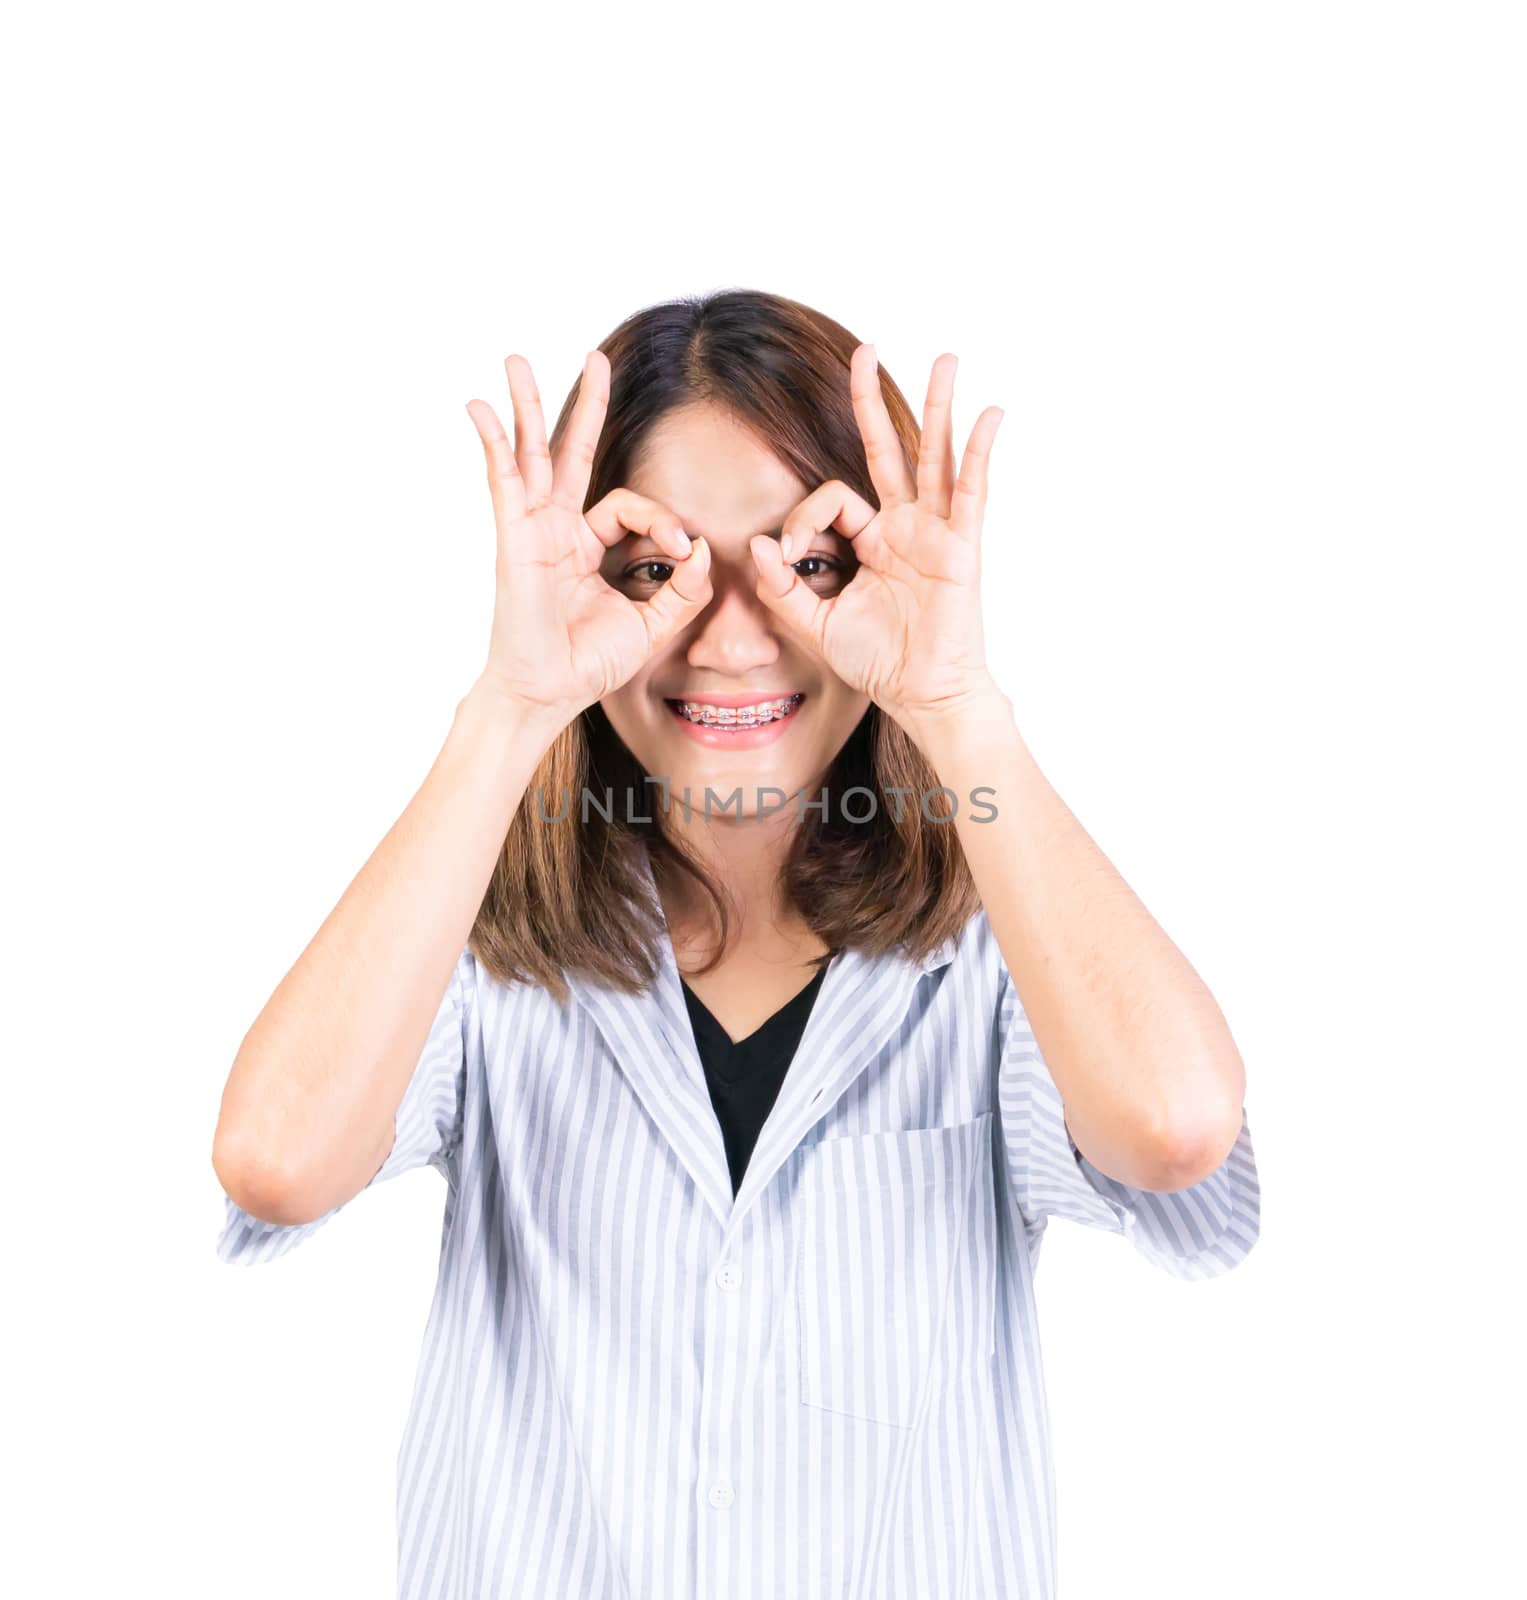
{"points": [[734, 634]]}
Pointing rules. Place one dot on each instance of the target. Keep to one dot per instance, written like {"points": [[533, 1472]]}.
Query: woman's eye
{"points": [[641, 572], [824, 573], [824, 564]]}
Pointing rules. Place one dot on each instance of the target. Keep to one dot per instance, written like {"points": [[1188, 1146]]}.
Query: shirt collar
{"points": [[862, 1002], [941, 956]]}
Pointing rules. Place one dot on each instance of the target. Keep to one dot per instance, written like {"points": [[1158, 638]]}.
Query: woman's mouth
{"points": [[739, 726]]}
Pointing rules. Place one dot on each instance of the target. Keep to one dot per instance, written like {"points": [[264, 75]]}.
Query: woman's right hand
{"points": [[562, 636]]}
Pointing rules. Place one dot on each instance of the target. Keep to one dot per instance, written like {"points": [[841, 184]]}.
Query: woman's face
{"points": [[724, 483]]}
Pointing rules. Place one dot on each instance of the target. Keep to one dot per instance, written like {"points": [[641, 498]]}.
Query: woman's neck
{"points": [[745, 858]]}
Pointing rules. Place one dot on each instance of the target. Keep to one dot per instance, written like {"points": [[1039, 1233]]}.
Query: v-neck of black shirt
{"points": [[744, 1075]]}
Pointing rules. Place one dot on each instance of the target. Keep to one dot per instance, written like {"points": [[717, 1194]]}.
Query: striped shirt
{"points": [[634, 1383]]}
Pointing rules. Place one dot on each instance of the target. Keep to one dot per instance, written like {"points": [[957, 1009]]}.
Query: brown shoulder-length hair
{"points": [[575, 895]]}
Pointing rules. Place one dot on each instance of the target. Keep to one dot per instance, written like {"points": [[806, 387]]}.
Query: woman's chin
{"points": [[742, 786]]}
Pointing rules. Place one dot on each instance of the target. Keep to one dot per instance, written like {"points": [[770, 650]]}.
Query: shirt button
{"points": [[721, 1495], [729, 1276]]}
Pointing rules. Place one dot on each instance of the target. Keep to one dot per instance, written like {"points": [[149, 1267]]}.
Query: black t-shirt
{"points": [[745, 1077]]}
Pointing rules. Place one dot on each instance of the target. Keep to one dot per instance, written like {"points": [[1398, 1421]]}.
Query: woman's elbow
{"points": [[258, 1186]]}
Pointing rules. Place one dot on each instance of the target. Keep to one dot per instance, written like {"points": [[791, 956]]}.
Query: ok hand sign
{"points": [[562, 637], [906, 630]]}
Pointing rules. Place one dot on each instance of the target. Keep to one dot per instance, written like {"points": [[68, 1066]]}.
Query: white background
{"points": [[1248, 281]]}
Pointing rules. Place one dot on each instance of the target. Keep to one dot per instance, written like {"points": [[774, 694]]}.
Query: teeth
{"points": [[738, 716]]}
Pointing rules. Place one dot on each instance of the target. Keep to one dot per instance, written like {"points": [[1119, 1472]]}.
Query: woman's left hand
{"points": [[906, 628]]}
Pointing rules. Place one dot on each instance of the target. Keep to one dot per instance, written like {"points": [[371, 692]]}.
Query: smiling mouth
{"points": [[735, 718]]}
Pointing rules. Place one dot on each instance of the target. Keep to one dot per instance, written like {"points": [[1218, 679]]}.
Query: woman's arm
{"points": [[307, 1113], [1151, 1079], [1144, 1063]]}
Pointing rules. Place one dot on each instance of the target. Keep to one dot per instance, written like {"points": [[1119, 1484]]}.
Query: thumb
{"points": [[677, 601], [803, 613]]}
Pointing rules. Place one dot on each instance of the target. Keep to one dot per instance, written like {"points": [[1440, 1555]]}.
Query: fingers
{"points": [[830, 505], [504, 481], [529, 431], [675, 604], [935, 460], [882, 446], [623, 510], [803, 612], [574, 462], [968, 503]]}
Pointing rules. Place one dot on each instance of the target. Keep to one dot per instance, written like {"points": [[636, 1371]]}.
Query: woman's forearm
{"points": [[307, 1112], [1151, 1079]]}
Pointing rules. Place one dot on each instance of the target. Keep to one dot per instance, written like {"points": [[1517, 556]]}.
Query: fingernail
{"points": [[785, 543]]}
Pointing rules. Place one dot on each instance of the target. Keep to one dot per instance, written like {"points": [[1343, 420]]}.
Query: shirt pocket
{"points": [[896, 1274]]}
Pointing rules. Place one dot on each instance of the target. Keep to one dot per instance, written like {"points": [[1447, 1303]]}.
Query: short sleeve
{"points": [[426, 1125], [1197, 1232]]}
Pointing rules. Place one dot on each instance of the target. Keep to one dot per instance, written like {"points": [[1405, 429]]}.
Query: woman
{"points": [[711, 1016]]}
